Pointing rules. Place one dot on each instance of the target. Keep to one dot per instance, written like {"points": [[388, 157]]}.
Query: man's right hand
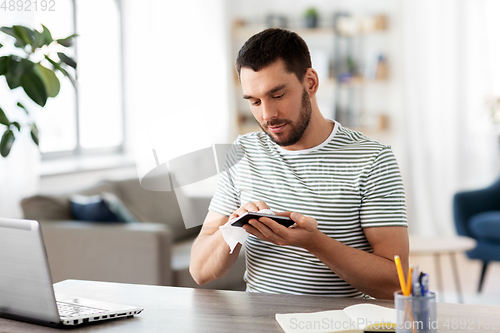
{"points": [[210, 258]]}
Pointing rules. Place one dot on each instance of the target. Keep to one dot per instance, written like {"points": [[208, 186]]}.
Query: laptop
{"points": [[26, 291]]}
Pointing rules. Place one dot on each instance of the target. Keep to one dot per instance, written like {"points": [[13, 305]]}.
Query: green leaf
{"points": [[9, 31], [22, 107], [18, 126], [62, 70], [4, 64], [55, 64], [13, 81], [34, 88], [16, 68], [1, 45], [20, 44], [47, 36], [67, 60], [25, 34], [3, 118], [39, 39], [26, 65], [49, 79], [6, 142], [67, 42], [34, 134]]}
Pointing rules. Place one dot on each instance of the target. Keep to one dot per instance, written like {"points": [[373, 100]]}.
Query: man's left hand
{"points": [[301, 234]]}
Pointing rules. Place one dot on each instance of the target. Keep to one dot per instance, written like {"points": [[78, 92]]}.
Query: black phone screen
{"points": [[243, 219]]}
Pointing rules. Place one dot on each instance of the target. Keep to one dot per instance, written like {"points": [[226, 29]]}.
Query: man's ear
{"points": [[311, 82]]}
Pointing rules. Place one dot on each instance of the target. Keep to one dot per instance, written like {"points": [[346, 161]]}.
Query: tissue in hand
{"points": [[234, 235]]}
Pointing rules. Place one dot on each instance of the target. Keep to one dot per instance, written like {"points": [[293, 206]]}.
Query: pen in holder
{"points": [[415, 313]]}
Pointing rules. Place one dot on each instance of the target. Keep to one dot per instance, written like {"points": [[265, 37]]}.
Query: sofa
{"points": [[155, 250]]}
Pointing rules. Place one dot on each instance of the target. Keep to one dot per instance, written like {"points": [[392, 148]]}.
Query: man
{"points": [[343, 190]]}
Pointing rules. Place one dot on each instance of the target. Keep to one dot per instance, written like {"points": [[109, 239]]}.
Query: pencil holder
{"points": [[415, 313]]}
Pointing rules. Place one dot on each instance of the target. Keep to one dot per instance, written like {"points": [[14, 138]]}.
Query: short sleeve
{"points": [[383, 197], [226, 198]]}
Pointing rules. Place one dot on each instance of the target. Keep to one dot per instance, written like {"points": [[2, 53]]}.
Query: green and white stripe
{"points": [[347, 183]]}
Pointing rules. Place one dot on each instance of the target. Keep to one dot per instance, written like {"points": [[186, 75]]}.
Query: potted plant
{"points": [[26, 68], [311, 18]]}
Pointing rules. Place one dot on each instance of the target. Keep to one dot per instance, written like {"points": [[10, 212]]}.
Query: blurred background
{"points": [[419, 75]]}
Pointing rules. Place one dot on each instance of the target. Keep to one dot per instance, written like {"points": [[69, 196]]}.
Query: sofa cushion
{"points": [[486, 225], [41, 207], [57, 207], [118, 208], [105, 207], [91, 208]]}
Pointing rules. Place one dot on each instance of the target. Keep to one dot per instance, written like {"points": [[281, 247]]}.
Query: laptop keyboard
{"points": [[73, 310]]}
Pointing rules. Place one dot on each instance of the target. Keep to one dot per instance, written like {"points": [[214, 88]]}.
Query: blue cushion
{"points": [[486, 225], [105, 207]]}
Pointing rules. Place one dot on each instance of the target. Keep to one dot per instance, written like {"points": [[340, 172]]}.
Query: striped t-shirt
{"points": [[347, 183]]}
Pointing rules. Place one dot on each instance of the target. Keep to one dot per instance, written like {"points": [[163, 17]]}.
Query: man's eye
{"points": [[279, 96], [256, 103]]}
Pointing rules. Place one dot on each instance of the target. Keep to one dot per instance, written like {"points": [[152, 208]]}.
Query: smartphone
{"points": [[243, 219]]}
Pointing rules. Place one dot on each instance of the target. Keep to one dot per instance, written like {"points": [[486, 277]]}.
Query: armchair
{"points": [[477, 215]]}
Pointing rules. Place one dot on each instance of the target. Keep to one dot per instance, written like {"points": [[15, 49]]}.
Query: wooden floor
{"points": [[469, 273]]}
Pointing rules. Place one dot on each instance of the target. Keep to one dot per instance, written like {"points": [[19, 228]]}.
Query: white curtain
{"points": [[451, 64]]}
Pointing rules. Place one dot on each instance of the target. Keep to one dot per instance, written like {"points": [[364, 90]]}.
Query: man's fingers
{"points": [[249, 207], [268, 233], [255, 206], [276, 228], [287, 214], [254, 231], [303, 221], [261, 205]]}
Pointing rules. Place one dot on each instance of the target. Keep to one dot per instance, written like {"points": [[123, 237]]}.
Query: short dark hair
{"points": [[269, 45]]}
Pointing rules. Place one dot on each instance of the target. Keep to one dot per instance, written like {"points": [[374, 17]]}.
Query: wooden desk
{"points": [[184, 310]]}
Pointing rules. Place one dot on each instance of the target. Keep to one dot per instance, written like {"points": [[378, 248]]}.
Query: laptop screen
{"points": [[25, 281]]}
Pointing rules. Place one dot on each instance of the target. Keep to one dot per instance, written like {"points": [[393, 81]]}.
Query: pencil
{"points": [[408, 282], [401, 275]]}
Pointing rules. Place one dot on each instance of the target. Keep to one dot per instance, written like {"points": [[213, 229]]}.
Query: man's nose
{"points": [[269, 111]]}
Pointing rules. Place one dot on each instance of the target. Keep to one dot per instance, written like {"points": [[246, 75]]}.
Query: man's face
{"points": [[279, 102]]}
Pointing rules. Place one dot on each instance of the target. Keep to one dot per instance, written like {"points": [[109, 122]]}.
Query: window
{"points": [[99, 75], [90, 120]]}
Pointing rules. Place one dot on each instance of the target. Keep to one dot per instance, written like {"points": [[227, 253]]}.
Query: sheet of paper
{"points": [[371, 315]]}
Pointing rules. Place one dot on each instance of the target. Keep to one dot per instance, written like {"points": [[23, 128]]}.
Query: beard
{"points": [[297, 128]]}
